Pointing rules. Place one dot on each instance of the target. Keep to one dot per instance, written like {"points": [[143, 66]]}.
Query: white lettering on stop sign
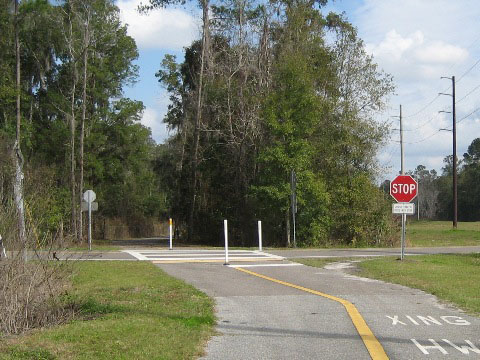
{"points": [[403, 188]]}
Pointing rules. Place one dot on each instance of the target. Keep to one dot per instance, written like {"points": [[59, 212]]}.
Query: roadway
{"points": [[156, 245]]}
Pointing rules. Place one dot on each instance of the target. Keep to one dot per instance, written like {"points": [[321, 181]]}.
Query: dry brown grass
{"points": [[30, 294]]}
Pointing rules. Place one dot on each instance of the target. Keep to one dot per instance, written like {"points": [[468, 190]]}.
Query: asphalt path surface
{"points": [[262, 319], [276, 310]]}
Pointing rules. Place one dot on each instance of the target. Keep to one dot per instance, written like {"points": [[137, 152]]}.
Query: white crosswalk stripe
{"points": [[200, 255]]}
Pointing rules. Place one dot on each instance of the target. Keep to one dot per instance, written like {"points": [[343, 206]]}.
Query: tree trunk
{"points": [[18, 158], [82, 128], [72, 135], [198, 120]]}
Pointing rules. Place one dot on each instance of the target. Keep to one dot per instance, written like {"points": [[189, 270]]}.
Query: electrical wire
{"points": [[456, 82], [439, 130], [466, 116], [425, 123], [426, 106], [466, 72], [472, 91], [425, 138]]}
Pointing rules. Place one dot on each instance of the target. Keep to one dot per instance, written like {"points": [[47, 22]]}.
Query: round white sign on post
{"points": [[89, 196]]}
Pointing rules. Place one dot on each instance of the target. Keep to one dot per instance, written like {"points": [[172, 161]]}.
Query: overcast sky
{"points": [[417, 41]]}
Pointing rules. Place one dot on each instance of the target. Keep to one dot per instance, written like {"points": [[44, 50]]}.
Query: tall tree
{"points": [[428, 193], [70, 31], [85, 49], [276, 98], [205, 61]]}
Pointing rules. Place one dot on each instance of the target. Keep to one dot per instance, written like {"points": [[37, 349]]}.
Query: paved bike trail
{"points": [[259, 318]]}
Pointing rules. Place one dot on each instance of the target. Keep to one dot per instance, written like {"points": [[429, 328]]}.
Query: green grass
{"points": [[440, 233], [98, 245], [129, 310], [452, 278]]}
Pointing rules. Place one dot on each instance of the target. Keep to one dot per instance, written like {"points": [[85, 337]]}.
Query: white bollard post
{"points": [[225, 230], [260, 236], [170, 227]]}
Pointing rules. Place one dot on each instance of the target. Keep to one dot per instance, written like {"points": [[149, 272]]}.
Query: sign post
{"points": [[89, 196], [403, 189]]}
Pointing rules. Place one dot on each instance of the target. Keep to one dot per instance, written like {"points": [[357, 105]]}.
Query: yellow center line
{"points": [[371, 343]]}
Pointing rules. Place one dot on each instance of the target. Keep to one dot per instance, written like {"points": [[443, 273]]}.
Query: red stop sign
{"points": [[403, 188]]}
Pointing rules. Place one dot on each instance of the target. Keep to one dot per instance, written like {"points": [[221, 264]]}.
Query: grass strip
{"points": [[441, 233], [128, 310], [452, 278]]}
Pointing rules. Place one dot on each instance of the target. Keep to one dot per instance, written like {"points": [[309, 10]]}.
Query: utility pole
{"points": [[402, 157], [454, 156], [402, 172]]}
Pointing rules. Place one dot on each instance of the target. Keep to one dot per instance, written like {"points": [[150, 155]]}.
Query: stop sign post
{"points": [[89, 196], [403, 188]]}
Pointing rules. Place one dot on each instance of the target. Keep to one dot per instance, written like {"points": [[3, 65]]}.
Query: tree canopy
{"points": [[286, 88], [76, 58]]}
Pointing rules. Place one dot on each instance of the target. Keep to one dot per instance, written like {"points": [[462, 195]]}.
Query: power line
{"points": [[469, 46], [422, 140], [472, 91], [466, 72], [459, 79], [466, 116], [390, 154], [439, 130], [445, 109], [425, 123], [426, 106]]}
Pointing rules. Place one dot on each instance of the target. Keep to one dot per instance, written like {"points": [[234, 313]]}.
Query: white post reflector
{"points": [[225, 230], [260, 235], [170, 227]]}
